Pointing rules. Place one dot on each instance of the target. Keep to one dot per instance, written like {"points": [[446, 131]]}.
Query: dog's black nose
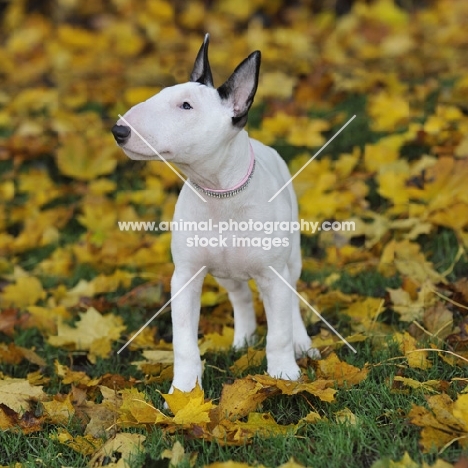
{"points": [[121, 133]]}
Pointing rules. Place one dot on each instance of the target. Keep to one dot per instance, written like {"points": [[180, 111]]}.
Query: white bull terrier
{"points": [[199, 128]]}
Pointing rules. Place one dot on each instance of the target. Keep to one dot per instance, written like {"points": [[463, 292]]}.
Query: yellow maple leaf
{"points": [[189, 407], [16, 394], [74, 377], [82, 289], [446, 184], [110, 283], [240, 398], [455, 217], [385, 151], [275, 84], [387, 12], [264, 425], [85, 159], [440, 424], [416, 358], [388, 112], [59, 411], [86, 445], [334, 369], [460, 409], [319, 388], [252, 358], [135, 410], [438, 320], [279, 124], [27, 291], [118, 450], [101, 186], [411, 262], [216, 341], [91, 328], [157, 356], [392, 183], [58, 264], [7, 190], [311, 418], [345, 164], [98, 215], [408, 308], [429, 386], [212, 298], [346, 416], [365, 312], [175, 455], [307, 132]]}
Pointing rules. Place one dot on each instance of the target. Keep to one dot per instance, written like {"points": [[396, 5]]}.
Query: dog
{"points": [[200, 129]]}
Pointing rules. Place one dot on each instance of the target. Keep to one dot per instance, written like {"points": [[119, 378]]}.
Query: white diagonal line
{"points": [[157, 154], [160, 310], [313, 310], [312, 158]]}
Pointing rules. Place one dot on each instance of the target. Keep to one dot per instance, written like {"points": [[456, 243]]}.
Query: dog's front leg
{"points": [[185, 318], [277, 298]]}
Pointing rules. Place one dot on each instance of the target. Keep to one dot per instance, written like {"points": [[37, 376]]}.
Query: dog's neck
{"points": [[225, 173]]}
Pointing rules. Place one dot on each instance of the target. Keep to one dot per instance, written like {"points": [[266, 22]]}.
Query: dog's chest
{"points": [[225, 240]]}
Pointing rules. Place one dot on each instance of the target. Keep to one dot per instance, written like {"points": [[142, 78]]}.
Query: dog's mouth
{"points": [[152, 156]]}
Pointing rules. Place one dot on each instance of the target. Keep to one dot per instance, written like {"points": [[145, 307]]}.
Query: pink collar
{"points": [[242, 185]]}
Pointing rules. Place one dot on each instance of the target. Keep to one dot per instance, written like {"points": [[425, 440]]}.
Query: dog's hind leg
{"points": [[277, 298], [302, 341], [244, 315]]}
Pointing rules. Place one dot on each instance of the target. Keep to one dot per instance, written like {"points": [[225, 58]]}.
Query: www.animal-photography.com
{"points": [[234, 234]]}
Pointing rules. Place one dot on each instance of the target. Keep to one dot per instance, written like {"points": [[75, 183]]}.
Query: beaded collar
{"points": [[230, 192]]}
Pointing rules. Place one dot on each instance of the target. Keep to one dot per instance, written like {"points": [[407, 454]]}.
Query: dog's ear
{"points": [[239, 90], [201, 72]]}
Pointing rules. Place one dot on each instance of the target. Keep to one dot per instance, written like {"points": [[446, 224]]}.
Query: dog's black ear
{"points": [[201, 72], [239, 90]]}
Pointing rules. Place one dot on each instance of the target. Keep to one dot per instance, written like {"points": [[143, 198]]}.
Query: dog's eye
{"points": [[186, 106]]}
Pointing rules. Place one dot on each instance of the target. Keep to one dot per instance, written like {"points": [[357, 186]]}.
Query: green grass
{"points": [[382, 429]]}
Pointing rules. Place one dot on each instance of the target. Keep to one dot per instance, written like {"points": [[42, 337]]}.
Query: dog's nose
{"points": [[121, 133]]}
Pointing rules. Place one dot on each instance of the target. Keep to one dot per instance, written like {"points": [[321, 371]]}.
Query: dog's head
{"points": [[190, 120]]}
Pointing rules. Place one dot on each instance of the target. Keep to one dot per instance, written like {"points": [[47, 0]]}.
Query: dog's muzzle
{"points": [[121, 133]]}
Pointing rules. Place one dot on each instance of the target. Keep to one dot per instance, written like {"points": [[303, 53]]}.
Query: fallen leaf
{"points": [[252, 358], [60, 410], [86, 445], [339, 371], [116, 452], [27, 291], [135, 410], [85, 159], [189, 408], [241, 398], [440, 425], [17, 393], [94, 332], [176, 454]]}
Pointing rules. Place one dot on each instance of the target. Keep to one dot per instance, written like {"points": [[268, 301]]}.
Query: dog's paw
{"points": [[314, 353], [303, 348], [291, 372], [244, 341]]}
